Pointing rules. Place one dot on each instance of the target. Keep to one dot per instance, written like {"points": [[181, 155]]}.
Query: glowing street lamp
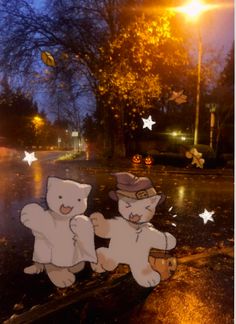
{"points": [[193, 10], [38, 122]]}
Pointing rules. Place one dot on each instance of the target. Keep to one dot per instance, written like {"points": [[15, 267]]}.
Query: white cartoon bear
{"points": [[131, 236], [64, 237]]}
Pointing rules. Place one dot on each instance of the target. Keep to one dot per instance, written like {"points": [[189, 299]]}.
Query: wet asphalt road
{"points": [[201, 292]]}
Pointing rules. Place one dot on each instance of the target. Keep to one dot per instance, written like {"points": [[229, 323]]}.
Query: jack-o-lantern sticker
{"points": [[148, 160], [137, 158]]}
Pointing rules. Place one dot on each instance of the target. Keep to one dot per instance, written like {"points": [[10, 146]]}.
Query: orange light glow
{"points": [[38, 122], [195, 8]]}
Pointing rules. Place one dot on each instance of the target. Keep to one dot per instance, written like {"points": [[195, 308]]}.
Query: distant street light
{"points": [[193, 10], [38, 122]]}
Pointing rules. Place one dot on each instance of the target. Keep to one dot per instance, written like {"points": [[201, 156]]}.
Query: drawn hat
{"points": [[133, 187]]}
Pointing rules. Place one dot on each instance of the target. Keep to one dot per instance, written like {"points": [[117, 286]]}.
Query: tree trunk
{"points": [[119, 150]]}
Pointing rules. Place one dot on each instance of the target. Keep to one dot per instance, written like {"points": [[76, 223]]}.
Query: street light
{"points": [[38, 122], [193, 11]]}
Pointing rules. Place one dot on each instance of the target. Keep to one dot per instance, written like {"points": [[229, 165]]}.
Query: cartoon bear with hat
{"points": [[131, 236]]}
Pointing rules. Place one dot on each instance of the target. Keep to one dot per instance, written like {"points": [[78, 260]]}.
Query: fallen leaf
{"points": [[196, 157], [18, 307], [48, 59]]}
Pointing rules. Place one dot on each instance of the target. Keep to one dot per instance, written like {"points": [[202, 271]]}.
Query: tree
{"points": [[223, 96], [16, 116], [128, 56], [139, 66], [20, 122]]}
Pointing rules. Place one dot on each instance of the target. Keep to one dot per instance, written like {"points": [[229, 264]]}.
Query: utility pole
{"points": [[198, 86]]}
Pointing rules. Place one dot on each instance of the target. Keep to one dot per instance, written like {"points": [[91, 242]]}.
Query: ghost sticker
{"points": [[64, 237], [131, 235]]}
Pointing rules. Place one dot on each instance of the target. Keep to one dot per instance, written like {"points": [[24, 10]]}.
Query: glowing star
{"points": [[148, 122], [207, 216], [29, 157]]}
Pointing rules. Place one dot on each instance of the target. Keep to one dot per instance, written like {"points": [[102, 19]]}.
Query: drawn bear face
{"points": [[138, 211], [67, 198]]}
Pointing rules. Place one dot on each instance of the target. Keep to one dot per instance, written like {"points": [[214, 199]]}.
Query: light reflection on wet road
{"points": [[189, 194]]}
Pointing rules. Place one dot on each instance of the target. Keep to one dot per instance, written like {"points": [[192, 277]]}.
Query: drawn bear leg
{"points": [[34, 268], [59, 276], [105, 261], [77, 268], [144, 274]]}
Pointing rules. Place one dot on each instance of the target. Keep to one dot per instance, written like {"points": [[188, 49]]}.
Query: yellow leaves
{"points": [[101, 89], [152, 40], [132, 61]]}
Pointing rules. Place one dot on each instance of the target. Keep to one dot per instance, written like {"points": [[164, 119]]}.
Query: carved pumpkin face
{"points": [[148, 160], [137, 159]]}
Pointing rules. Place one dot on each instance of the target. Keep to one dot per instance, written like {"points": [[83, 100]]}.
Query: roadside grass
{"points": [[71, 156]]}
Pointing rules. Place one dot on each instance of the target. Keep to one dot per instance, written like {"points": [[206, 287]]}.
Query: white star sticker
{"points": [[207, 216], [29, 157], [148, 122]]}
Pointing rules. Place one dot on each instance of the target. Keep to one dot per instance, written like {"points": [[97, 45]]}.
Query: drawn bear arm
{"points": [[161, 240], [103, 227], [36, 218]]}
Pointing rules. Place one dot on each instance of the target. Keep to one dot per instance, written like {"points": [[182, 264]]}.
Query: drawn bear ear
{"points": [[52, 181], [158, 199], [87, 188]]}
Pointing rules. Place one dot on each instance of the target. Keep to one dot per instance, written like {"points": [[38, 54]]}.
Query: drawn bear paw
{"points": [[97, 267], [60, 277], [100, 224], [35, 268], [105, 261], [171, 241], [77, 268], [147, 277]]}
